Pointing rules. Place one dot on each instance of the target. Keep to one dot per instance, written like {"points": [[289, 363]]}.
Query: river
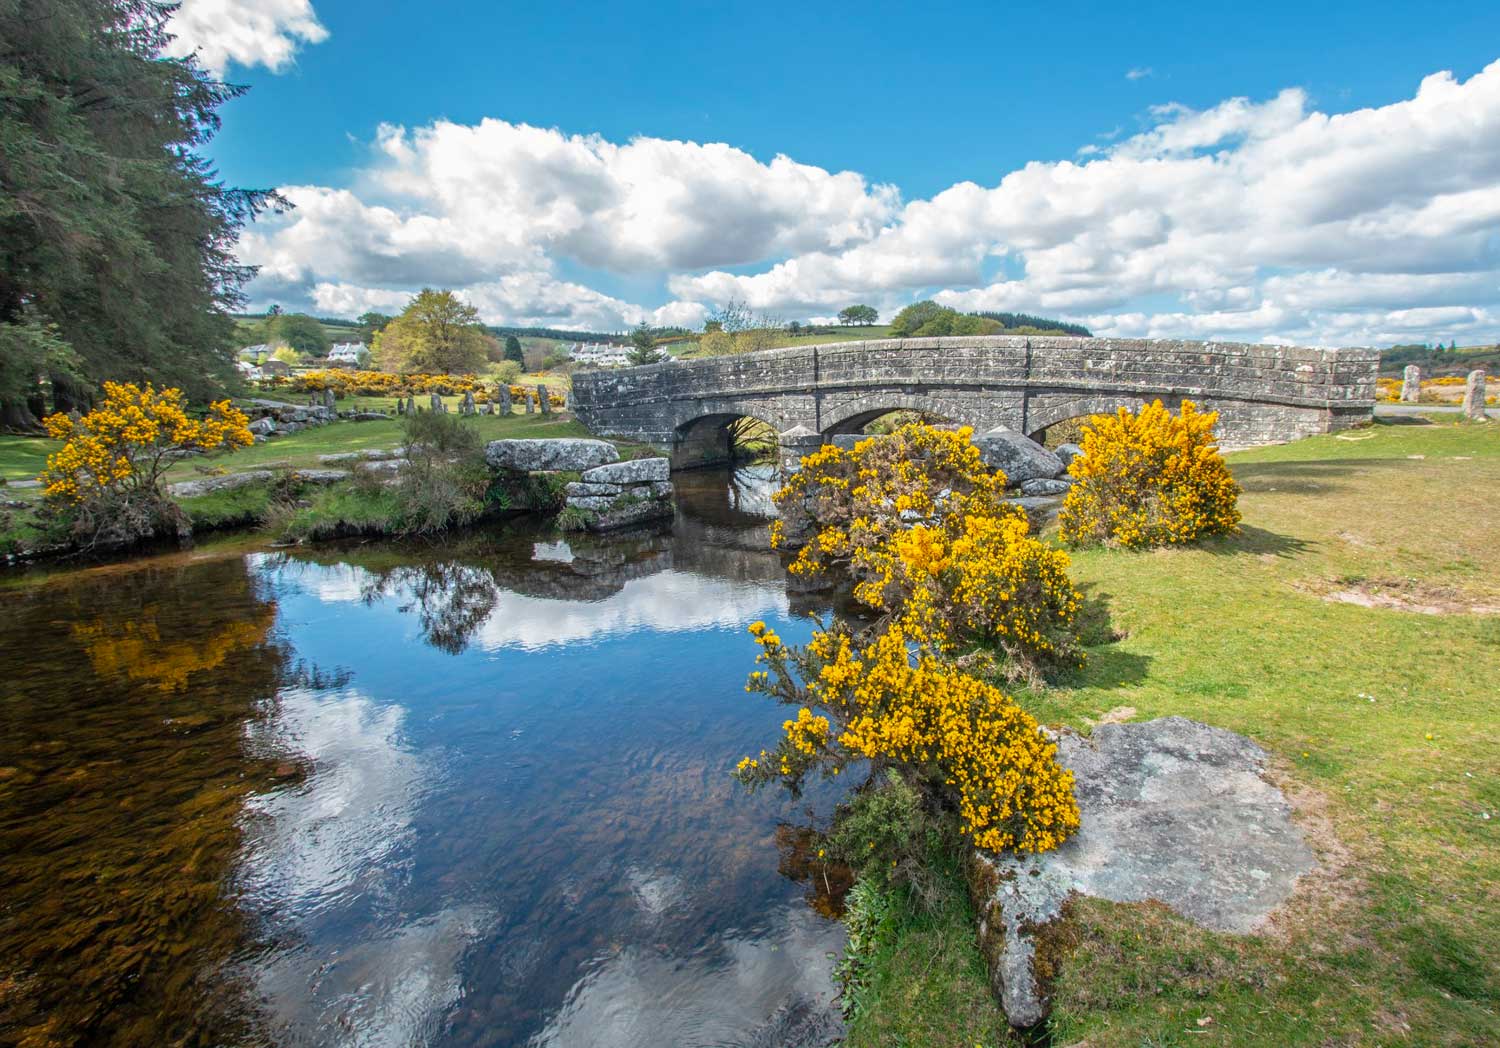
{"points": [[474, 792]]}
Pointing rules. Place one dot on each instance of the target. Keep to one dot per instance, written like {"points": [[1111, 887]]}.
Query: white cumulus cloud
{"points": [[247, 32], [1256, 219]]}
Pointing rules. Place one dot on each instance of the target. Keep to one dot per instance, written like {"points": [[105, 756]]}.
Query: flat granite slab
{"points": [[1172, 810]]}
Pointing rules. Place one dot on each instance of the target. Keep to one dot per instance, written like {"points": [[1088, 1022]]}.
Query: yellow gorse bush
{"points": [[1149, 478], [125, 443], [922, 525], [390, 384], [897, 701]]}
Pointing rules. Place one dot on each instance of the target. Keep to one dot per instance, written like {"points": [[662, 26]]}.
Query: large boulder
{"points": [[367, 455], [635, 471], [1172, 810], [563, 453], [586, 489], [1068, 452], [1018, 456], [262, 427]]}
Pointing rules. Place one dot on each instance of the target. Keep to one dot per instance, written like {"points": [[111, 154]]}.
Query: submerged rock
{"points": [[1017, 455], [562, 453], [1172, 810]]}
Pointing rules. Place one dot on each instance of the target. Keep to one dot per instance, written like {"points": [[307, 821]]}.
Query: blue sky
{"points": [[910, 101]]}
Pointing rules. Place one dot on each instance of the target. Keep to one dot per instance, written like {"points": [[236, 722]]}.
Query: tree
{"points": [[300, 331], [922, 318], [437, 333], [115, 234], [288, 356], [372, 324], [862, 316], [643, 347], [513, 350]]}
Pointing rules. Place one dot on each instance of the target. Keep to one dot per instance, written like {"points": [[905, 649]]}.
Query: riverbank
{"points": [[1351, 629], [337, 509]]}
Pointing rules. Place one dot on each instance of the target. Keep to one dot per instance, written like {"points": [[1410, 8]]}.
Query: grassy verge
{"points": [[1380, 722]]}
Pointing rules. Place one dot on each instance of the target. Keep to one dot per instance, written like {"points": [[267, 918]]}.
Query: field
{"points": [[1381, 722]]}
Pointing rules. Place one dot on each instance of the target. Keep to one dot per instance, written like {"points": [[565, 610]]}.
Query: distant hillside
{"points": [[1037, 325], [1437, 359]]}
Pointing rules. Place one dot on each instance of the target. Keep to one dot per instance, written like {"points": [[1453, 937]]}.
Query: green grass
{"points": [[1397, 945]]}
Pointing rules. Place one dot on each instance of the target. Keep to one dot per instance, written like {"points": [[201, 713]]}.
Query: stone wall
{"points": [[1264, 393]]}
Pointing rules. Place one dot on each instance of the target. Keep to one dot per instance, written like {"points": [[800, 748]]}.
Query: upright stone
{"points": [[530, 407], [1411, 384], [328, 400], [487, 408], [436, 403], [468, 404], [505, 404], [1474, 396], [541, 400]]}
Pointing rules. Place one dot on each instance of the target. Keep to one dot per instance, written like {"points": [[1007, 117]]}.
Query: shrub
{"points": [[105, 481], [1149, 478], [844, 503], [895, 701], [445, 479]]}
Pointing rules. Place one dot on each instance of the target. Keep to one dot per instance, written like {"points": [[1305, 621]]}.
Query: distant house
{"points": [[598, 354], [351, 354], [248, 371], [254, 353], [275, 368]]}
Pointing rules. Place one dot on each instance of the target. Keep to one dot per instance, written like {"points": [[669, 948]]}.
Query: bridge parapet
{"points": [[1264, 393]]}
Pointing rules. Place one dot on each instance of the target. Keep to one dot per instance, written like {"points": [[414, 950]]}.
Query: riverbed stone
{"points": [[631, 513], [1018, 456], [593, 503], [1474, 396], [634, 471], [1172, 810], [1046, 486], [562, 453]]}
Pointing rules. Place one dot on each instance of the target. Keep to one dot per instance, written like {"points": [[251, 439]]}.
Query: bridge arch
{"points": [[854, 415], [711, 439], [1046, 411]]}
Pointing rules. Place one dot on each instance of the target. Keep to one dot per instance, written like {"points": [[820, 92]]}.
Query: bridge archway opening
{"points": [[886, 420], [722, 439]]}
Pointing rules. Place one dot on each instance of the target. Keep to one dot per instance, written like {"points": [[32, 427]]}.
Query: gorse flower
{"points": [[128, 441], [1149, 478], [920, 523]]}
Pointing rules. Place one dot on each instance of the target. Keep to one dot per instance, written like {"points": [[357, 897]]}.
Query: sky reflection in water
{"points": [[518, 824]]}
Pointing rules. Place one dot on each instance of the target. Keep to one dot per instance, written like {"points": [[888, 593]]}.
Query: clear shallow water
{"points": [[473, 794]]}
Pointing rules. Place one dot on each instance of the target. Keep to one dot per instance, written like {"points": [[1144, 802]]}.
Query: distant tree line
{"points": [[1026, 320]]}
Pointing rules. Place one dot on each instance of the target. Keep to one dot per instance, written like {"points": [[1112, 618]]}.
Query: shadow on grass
{"points": [[1107, 665], [1256, 541], [1315, 477]]}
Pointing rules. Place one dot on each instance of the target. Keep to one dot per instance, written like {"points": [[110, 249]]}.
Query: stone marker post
{"points": [[541, 400], [1411, 384], [467, 407], [1474, 396], [530, 407], [505, 404], [436, 402]]}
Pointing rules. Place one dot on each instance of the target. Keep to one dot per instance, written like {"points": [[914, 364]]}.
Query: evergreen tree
{"points": [[513, 350], [116, 238]]}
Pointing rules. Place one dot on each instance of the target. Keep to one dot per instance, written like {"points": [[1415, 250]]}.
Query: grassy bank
{"points": [[1380, 721], [335, 510]]}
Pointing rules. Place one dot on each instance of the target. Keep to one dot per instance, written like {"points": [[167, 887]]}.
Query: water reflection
{"points": [[494, 805], [122, 781]]}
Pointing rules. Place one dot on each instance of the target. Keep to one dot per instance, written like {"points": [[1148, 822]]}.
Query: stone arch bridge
{"points": [[1264, 394]]}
